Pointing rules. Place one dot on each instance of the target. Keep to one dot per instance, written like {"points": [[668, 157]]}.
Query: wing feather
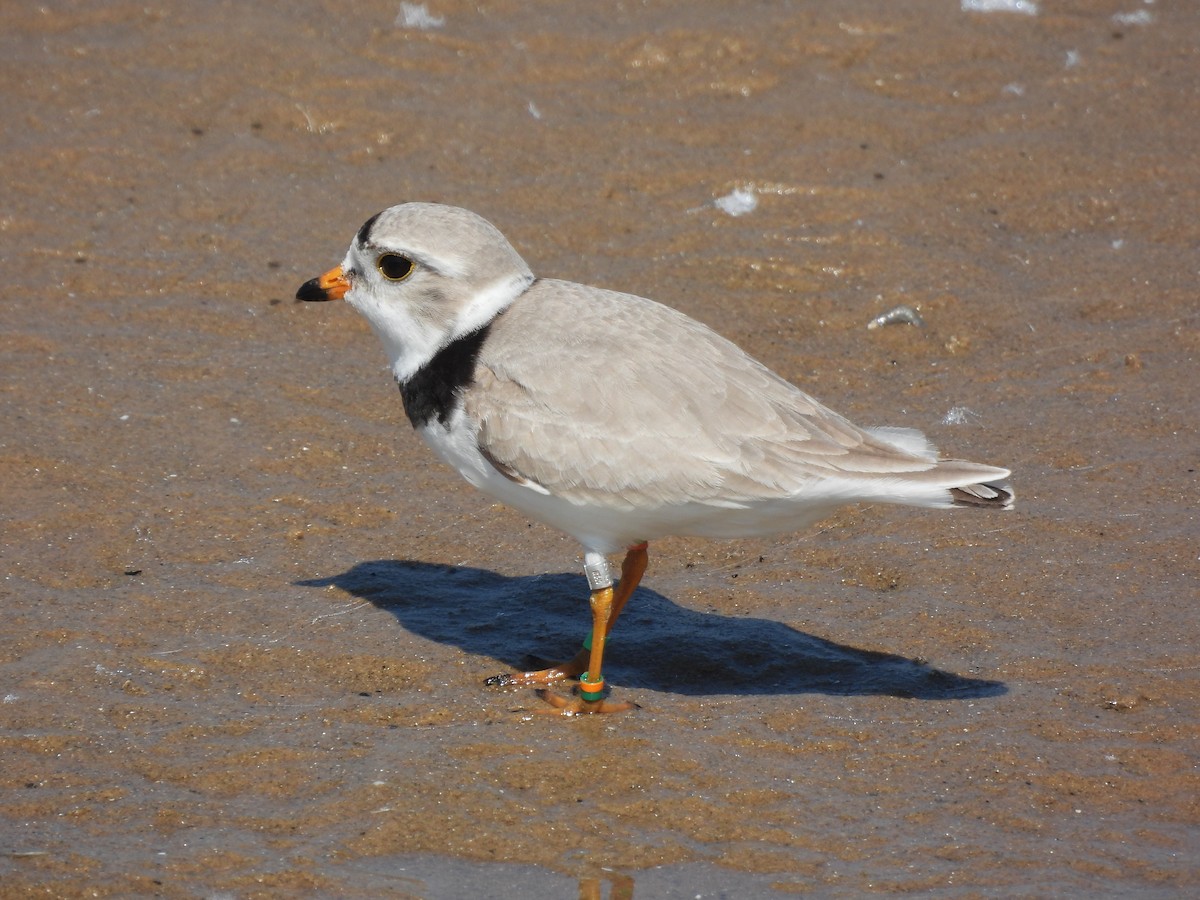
{"points": [[610, 399]]}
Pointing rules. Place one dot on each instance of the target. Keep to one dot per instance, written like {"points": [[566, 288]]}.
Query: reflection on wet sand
{"points": [[620, 887]]}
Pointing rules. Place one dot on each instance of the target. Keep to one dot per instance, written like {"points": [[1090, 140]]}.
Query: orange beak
{"points": [[330, 286]]}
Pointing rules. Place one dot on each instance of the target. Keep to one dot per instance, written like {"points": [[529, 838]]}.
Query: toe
{"points": [[577, 706]]}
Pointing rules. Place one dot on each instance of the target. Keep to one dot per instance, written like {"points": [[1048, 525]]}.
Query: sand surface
{"points": [[247, 615]]}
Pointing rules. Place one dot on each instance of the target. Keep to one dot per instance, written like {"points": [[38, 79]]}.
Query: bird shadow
{"points": [[657, 645]]}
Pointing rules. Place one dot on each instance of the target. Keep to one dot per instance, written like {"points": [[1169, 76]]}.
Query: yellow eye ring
{"points": [[394, 267]]}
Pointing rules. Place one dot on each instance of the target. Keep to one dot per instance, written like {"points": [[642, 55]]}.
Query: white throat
{"points": [[410, 341]]}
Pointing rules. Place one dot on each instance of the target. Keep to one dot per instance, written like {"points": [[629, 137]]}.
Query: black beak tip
{"points": [[311, 290]]}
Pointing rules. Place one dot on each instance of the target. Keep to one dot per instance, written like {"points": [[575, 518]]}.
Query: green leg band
{"points": [[587, 641]]}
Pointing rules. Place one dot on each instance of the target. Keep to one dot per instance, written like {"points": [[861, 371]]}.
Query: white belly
{"points": [[611, 529]]}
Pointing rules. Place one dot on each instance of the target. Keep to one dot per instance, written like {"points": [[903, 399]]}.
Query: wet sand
{"points": [[248, 616]]}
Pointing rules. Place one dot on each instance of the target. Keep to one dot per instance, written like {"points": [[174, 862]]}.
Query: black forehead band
{"points": [[364, 233]]}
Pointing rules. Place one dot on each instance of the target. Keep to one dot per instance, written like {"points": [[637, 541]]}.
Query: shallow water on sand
{"points": [[248, 616]]}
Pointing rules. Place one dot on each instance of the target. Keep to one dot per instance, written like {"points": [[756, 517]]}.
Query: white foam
{"points": [[1138, 17], [1025, 7], [416, 15], [737, 202], [959, 415]]}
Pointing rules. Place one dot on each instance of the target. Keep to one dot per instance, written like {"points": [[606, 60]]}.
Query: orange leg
{"points": [[606, 606], [632, 569]]}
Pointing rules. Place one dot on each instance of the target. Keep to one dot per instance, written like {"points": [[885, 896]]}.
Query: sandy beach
{"points": [[248, 615]]}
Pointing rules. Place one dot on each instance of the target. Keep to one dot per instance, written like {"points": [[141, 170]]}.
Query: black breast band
{"points": [[433, 389]]}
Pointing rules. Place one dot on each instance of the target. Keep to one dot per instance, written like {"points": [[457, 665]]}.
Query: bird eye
{"points": [[394, 267]]}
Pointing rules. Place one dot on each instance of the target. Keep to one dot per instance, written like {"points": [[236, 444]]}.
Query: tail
{"points": [[947, 482], [989, 495]]}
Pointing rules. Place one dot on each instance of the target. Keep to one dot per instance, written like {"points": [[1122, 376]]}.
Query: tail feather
{"points": [[990, 495]]}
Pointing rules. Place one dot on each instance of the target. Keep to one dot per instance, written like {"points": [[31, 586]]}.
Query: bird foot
{"points": [[577, 706], [572, 668]]}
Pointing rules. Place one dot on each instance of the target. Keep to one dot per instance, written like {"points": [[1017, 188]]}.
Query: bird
{"points": [[610, 417]]}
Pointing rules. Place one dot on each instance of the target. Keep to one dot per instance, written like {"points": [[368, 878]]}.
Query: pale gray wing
{"points": [[596, 395]]}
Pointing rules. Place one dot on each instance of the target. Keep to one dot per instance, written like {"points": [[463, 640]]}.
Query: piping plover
{"points": [[611, 417]]}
